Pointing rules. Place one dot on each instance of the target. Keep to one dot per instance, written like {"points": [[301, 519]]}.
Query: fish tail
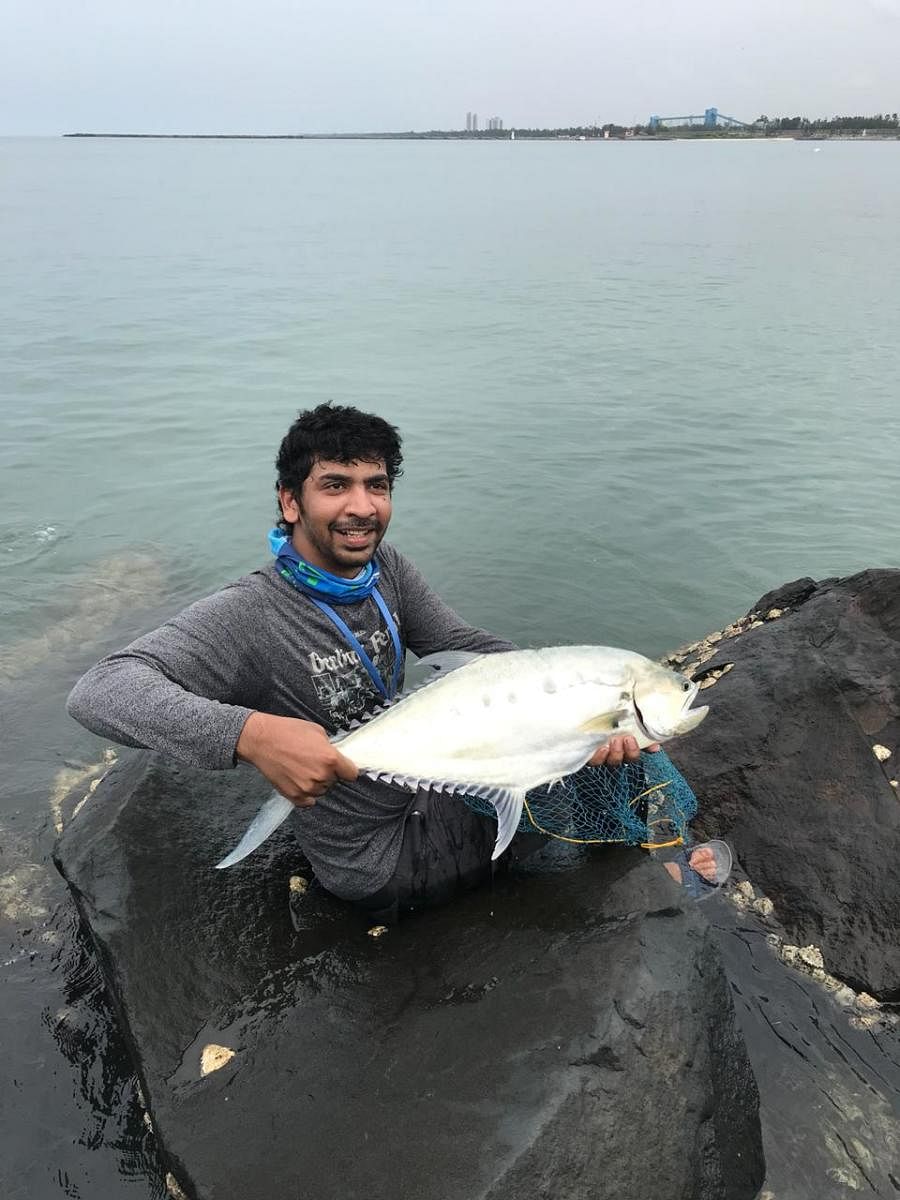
{"points": [[273, 813]]}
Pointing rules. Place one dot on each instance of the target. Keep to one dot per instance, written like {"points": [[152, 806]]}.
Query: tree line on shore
{"points": [[763, 124], [829, 124]]}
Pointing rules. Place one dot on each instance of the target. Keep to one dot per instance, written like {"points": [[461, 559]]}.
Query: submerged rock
{"points": [[567, 1033], [784, 766]]}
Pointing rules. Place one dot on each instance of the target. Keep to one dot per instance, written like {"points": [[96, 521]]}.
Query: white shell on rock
{"points": [[864, 1000], [865, 1021], [214, 1058], [881, 752], [715, 676], [70, 778], [173, 1189], [812, 956]]}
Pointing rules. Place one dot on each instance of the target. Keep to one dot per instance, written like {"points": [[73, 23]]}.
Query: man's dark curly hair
{"points": [[334, 433]]}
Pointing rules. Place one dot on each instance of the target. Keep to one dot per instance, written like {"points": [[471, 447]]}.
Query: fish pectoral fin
{"points": [[448, 660], [275, 811], [607, 722]]}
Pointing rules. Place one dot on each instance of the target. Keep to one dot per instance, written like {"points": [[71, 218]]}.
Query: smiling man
{"points": [[339, 514], [266, 669]]}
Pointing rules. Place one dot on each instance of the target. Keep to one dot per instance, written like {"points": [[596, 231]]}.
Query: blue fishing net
{"points": [[645, 803]]}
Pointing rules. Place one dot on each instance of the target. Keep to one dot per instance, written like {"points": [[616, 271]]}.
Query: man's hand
{"points": [[618, 750], [295, 756]]}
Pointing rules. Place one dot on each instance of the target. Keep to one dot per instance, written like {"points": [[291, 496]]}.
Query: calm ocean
{"points": [[640, 384]]}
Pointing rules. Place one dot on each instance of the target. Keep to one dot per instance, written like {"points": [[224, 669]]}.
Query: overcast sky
{"points": [[286, 66]]}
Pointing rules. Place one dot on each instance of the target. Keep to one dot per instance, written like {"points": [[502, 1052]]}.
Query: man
{"points": [[266, 669]]}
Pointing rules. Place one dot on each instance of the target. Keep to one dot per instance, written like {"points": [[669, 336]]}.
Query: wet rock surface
{"points": [[828, 1070], [798, 764], [568, 1032]]}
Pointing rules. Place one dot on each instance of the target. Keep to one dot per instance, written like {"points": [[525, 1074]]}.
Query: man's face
{"points": [[342, 514]]}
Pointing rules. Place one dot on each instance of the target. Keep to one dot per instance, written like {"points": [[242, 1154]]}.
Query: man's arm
{"points": [[185, 689], [192, 689]]}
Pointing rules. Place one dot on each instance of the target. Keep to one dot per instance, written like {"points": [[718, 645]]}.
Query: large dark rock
{"points": [[786, 765], [567, 1033]]}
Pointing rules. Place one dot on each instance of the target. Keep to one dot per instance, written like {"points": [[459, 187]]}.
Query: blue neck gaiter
{"points": [[334, 589]]}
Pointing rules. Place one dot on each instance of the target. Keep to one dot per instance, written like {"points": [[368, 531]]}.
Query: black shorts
{"points": [[446, 849]]}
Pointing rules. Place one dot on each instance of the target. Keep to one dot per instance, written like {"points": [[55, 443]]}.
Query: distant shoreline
{"points": [[216, 137], [503, 136]]}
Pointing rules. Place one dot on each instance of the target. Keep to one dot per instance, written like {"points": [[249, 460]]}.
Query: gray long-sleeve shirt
{"points": [[187, 689]]}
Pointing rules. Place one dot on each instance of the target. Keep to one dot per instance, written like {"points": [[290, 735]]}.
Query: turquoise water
{"points": [[639, 386]]}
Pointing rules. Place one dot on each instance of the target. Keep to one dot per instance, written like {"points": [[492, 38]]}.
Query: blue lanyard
{"points": [[354, 644]]}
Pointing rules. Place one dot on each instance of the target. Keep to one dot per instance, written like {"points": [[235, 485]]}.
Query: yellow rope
{"points": [[572, 841], [647, 791], [679, 841]]}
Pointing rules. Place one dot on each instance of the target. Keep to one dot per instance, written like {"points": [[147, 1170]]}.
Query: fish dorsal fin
{"points": [[607, 722], [438, 665], [446, 661], [411, 688]]}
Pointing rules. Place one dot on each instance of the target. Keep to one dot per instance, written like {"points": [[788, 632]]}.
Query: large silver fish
{"points": [[498, 725]]}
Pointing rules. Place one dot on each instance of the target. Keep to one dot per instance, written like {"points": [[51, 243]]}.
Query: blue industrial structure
{"points": [[711, 119]]}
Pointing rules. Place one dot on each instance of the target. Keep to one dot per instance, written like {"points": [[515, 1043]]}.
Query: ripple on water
{"points": [[19, 546]]}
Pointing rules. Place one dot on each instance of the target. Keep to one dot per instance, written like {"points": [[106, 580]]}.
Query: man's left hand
{"points": [[618, 750]]}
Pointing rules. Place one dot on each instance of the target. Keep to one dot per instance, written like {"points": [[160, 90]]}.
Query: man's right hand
{"points": [[295, 756]]}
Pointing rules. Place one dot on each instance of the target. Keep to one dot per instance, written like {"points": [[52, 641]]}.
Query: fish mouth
{"points": [[689, 719]]}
